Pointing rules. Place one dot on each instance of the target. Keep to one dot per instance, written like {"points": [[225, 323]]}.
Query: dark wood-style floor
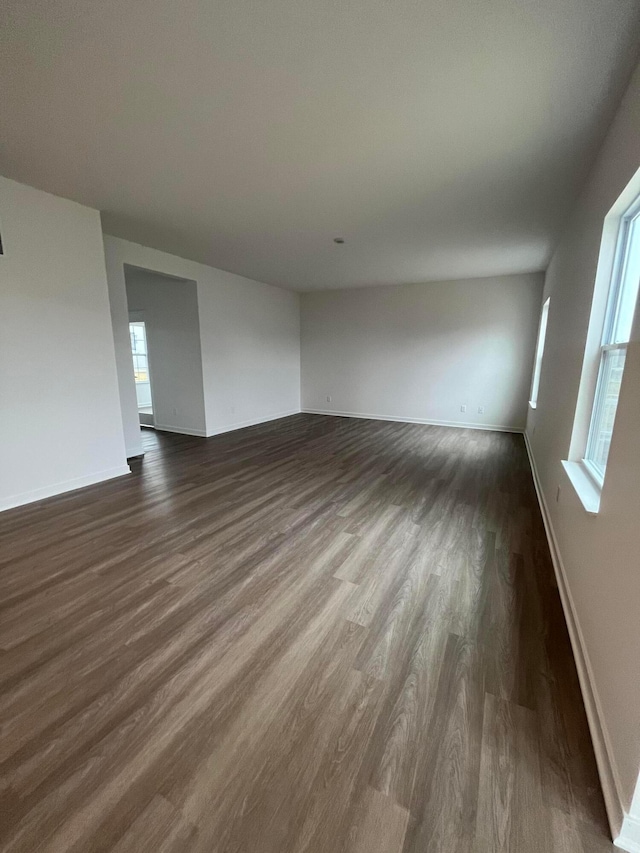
{"points": [[319, 635]]}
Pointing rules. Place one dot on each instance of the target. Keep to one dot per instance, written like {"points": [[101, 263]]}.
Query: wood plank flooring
{"points": [[318, 635]]}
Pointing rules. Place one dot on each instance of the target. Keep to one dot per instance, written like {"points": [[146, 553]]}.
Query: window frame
{"points": [[627, 235], [136, 355]]}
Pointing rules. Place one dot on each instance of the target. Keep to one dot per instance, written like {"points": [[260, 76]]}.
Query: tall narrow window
{"points": [[537, 367], [138, 334], [623, 294]]}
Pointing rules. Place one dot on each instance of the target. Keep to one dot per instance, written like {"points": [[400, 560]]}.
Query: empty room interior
{"points": [[320, 426]]}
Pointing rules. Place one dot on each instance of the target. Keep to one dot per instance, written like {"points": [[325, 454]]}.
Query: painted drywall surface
{"points": [[423, 351], [249, 337], [124, 363], [56, 341], [601, 555], [251, 351], [169, 308]]}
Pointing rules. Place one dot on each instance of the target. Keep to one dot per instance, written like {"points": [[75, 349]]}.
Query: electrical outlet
{"points": [[558, 495], [328, 399], [481, 410], [175, 411], [463, 408]]}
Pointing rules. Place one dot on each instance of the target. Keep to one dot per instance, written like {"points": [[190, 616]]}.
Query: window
{"points": [[537, 367], [623, 294], [139, 351]]}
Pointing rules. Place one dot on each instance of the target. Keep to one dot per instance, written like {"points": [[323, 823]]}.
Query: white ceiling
{"points": [[441, 138]]}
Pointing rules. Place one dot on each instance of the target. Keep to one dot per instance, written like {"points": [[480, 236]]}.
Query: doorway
{"points": [[165, 342], [141, 372]]}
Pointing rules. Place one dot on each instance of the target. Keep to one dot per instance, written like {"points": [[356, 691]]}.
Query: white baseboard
{"points": [[61, 488], [599, 736], [629, 838], [427, 421], [252, 422], [181, 430]]}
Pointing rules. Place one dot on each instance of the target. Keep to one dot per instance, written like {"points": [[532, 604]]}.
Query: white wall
{"points": [[420, 352], [169, 308], [56, 341], [600, 555], [249, 335]]}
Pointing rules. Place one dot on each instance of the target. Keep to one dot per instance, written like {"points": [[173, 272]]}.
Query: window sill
{"points": [[532, 405], [586, 489]]}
